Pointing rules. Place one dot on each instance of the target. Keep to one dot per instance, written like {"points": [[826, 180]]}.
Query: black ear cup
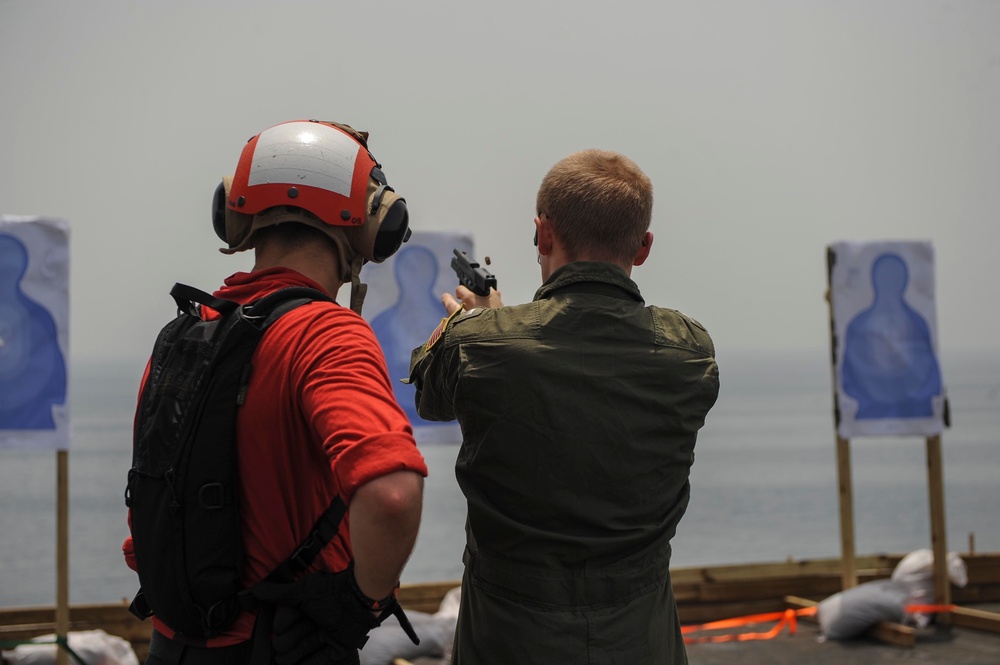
{"points": [[392, 232], [394, 228], [219, 212]]}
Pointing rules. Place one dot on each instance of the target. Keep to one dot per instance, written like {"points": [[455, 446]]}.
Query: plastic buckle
{"points": [[298, 558]]}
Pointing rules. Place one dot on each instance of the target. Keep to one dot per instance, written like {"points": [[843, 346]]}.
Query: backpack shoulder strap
{"points": [[264, 312], [272, 306], [188, 297], [269, 308]]}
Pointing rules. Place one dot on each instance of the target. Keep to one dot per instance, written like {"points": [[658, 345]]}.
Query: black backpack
{"points": [[182, 487]]}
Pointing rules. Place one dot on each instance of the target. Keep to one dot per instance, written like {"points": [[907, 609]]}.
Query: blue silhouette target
{"points": [[34, 332], [404, 306], [888, 372], [406, 323], [889, 363]]}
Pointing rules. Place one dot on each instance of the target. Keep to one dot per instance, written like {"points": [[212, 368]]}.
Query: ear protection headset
{"points": [[219, 211], [324, 168], [393, 228]]}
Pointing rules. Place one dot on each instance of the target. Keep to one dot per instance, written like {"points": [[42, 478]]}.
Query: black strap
{"points": [[166, 651], [140, 607], [185, 295], [262, 649], [404, 622], [273, 305], [326, 527], [323, 531]]}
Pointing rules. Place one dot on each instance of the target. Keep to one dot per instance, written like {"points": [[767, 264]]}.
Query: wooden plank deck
{"points": [[703, 595]]}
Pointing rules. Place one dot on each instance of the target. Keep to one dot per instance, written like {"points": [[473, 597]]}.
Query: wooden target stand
{"points": [[63, 651], [935, 482], [939, 537], [62, 556], [885, 631], [935, 478], [893, 633]]}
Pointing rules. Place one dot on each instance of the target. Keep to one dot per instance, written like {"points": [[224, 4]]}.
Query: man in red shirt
{"points": [[320, 420]]}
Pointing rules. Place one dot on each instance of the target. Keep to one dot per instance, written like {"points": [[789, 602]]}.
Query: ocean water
{"points": [[764, 484]]}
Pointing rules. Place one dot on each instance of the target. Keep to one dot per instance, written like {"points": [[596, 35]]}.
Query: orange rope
{"points": [[786, 618], [930, 609]]}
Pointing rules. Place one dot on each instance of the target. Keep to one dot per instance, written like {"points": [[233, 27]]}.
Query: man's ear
{"points": [[543, 235], [643, 252]]}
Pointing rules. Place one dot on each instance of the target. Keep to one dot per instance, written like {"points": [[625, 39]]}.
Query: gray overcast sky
{"points": [[769, 128]]}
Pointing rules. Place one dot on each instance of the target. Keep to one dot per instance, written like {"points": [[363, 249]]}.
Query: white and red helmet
{"points": [[323, 168]]}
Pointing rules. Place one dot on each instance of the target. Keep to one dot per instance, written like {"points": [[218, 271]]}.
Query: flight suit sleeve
{"points": [[434, 372]]}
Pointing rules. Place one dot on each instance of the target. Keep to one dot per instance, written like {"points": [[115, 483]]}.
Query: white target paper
{"points": [[34, 333]]}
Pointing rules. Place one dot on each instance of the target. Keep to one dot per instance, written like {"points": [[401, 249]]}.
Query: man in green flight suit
{"points": [[579, 413]]}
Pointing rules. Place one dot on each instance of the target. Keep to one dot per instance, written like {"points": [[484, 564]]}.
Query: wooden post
{"points": [[939, 534], [849, 576], [62, 552]]}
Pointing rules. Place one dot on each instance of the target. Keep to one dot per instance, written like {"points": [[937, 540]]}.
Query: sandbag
{"points": [[95, 647], [436, 632], [915, 572], [849, 613]]}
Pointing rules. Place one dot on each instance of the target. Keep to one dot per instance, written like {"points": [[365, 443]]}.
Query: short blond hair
{"points": [[600, 204]]}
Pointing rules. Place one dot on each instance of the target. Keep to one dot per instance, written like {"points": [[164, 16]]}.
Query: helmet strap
{"points": [[358, 289]]}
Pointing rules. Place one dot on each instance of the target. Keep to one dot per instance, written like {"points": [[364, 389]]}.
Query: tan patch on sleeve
{"points": [[439, 331]]}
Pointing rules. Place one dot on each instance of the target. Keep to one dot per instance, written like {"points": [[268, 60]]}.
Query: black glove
{"points": [[299, 640], [318, 620], [323, 618]]}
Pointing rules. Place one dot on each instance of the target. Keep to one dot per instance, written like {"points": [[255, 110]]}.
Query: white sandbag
{"points": [[851, 612], [388, 641], [448, 609], [95, 647], [449, 604], [917, 568], [915, 571]]}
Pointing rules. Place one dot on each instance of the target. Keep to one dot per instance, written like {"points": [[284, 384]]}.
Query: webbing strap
{"points": [[323, 531], [185, 295], [784, 618]]}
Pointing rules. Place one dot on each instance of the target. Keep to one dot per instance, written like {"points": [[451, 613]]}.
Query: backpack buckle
{"points": [[305, 552], [211, 496]]}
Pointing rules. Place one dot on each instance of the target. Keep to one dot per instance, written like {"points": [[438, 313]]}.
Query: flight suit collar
{"points": [[590, 276]]}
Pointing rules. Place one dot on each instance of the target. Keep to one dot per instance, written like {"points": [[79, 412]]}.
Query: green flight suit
{"points": [[579, 413]]}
